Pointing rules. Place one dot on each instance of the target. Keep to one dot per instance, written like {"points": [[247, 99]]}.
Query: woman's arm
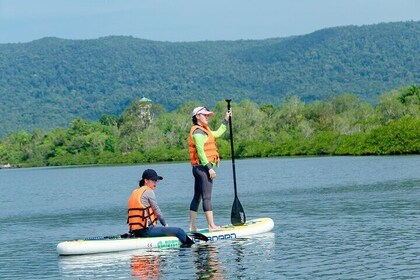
{"points": [[150, 196]]}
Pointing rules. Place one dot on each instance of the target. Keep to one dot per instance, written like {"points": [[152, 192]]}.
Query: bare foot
{"points": [[192, 229], [215, 228]]}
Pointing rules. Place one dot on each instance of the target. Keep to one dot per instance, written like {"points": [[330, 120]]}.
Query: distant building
{"points": [[144, 113], [144, 99]]}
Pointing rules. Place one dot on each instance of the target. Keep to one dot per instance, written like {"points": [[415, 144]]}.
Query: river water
{"points": [[335, 218]]}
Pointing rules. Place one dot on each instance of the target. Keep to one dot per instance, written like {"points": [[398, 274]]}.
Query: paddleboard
{"points": [[108, 244]]}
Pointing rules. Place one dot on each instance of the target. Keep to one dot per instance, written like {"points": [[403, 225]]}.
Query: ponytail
{"points": [[194, 120]]}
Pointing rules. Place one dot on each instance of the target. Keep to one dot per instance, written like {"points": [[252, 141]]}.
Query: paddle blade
{"points": [[237, 216]]}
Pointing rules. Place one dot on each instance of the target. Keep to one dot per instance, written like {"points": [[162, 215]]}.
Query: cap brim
{"points": [[205, 112]]}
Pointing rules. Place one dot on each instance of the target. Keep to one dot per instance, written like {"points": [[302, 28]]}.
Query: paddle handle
{"points": [[231, 147]]}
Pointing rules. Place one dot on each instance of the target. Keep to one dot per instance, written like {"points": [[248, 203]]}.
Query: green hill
{"points": [[49, 82]]}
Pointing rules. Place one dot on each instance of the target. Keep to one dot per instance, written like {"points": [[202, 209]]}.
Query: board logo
{"points": [[168, 244], [222, 236]]}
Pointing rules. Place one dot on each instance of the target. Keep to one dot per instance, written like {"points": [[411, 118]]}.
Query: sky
{"points": [[191, 20]]}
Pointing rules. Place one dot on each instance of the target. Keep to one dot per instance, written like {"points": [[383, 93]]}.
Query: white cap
{"points": [[201, 110]]}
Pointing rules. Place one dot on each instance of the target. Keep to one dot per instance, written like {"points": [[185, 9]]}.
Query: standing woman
{"points": [[204, 157]]}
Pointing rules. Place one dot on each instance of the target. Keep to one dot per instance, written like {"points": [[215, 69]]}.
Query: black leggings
{"points": [[203, 186]]}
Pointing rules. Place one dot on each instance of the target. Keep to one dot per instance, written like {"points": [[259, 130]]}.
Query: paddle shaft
{"points": [[231, 148], [235, 217]]}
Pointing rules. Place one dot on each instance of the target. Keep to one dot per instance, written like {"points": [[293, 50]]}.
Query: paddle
{"points": [[235, 217]]}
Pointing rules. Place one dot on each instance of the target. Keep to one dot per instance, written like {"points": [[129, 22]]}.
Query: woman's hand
{"points": [[228, 114], [212, 174]]}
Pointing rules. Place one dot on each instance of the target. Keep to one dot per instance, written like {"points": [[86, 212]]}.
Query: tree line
{"points": [[344, 125]]}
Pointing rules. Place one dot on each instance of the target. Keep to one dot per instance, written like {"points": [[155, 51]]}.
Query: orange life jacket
{"points": [[139, 217], [210, 148]]}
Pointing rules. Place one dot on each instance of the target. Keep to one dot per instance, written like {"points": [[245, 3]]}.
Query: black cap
{"points": [[151, 175]]}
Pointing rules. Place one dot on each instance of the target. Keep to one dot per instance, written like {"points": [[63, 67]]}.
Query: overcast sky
{"points": [[191, 20]]}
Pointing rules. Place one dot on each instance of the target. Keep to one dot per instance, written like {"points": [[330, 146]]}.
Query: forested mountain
{"points": [[49, 82]]}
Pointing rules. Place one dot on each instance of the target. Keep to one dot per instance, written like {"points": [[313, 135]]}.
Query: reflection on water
{"points": [[207, 262], [141, 264], [145, 266], [87, 266]]}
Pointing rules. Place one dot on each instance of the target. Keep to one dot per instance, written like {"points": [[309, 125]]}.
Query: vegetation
{"points": [[47, 83], [145, 132]]}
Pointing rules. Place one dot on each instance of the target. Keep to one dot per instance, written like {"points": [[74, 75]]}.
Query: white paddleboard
{"points": [[116, 243]]}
